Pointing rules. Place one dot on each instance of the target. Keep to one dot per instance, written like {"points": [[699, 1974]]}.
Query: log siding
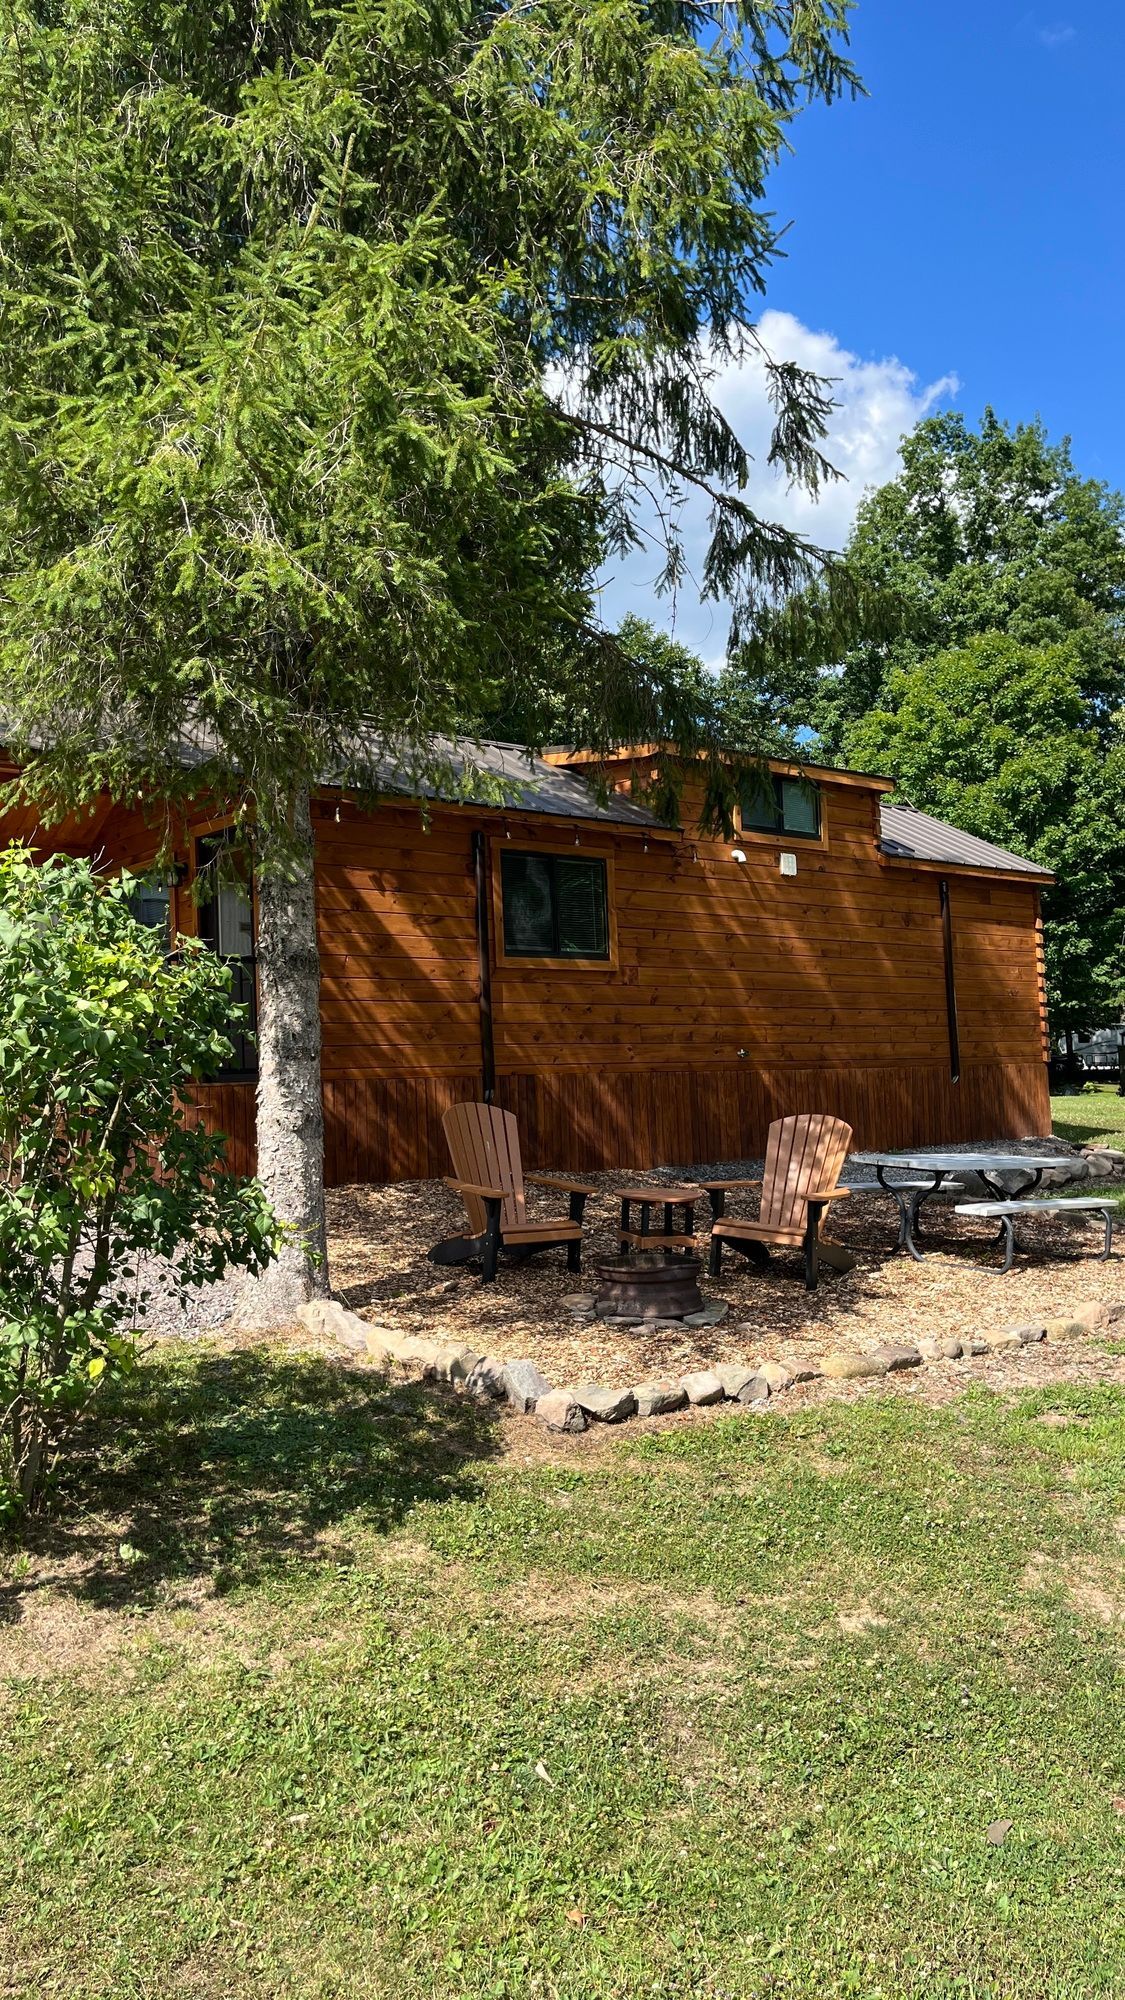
{"points": [[735, 994]]}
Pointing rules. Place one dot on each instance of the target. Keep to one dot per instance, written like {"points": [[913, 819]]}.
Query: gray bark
{"points": [[290, 1105]]}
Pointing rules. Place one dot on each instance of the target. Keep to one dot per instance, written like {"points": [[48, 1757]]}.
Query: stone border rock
{"points": [[1090, 1163], [752, 1385]]}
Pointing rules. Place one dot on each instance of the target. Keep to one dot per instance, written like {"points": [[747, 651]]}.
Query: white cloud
{"points": [[1055, 34], [877, 402]]}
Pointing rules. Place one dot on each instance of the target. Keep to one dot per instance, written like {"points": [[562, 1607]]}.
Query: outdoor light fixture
{"points": [[736, 854], [788, 864]]}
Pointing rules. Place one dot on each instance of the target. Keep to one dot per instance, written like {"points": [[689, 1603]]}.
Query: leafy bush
{"points": [[100, 1032]]}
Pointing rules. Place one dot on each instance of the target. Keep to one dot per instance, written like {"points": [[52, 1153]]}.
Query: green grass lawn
{"points": [[1084, 1120], [313, 1693]]}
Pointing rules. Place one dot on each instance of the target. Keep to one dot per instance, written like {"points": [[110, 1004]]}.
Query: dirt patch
{"points": [[861, 1618], [1091, 1585], [1096, 1589]]}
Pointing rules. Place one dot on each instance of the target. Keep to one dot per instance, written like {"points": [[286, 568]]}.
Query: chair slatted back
{"points": [[484, 1143], [803, 1156]]}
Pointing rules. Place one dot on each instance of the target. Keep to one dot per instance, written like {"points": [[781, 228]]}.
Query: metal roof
{"points": [[909, 835], [504, 776]]}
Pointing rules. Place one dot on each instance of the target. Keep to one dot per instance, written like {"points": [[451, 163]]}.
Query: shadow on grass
{"points": [[229, 1468]]}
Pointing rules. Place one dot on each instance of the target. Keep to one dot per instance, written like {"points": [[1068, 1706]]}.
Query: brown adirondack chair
{"points": [[804, 1157], [484, 1142]]}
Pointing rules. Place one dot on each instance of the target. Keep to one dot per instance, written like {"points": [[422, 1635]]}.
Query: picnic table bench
{"points": [[1005, 1211], [937, 1173]]}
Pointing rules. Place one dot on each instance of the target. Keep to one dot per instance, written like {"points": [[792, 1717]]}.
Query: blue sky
{"points": [[958, 238]]}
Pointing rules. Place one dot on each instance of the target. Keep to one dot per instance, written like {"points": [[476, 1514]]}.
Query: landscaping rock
{"points": [[797, 1370], [703, 1387], [756, 1393], [328, 1317], [929, 1348], [414, 1356], [1034, 1330], [839, 1367], [559, 1411], [485, 1382], [711, 1314], [456, 1363], [779, 1375], [897, 1357], [1065, 1329], [951, 1347], [734, 1375], [654, 1398], [974, 1347], [609, 1406], [1093, 1313], [378, 1350], [1008, 1336], [582, 1305], [355, 1341], [524, 1385]]}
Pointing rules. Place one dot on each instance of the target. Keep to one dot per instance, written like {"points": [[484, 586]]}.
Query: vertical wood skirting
{"points": [[389, 1128]]}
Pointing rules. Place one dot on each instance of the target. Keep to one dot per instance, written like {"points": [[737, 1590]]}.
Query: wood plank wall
{"points": [[831, 983]]}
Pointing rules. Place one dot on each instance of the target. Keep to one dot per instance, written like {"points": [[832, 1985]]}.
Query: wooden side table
{"points": [[632, 1236]]}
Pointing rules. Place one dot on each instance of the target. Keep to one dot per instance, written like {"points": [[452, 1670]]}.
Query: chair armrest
{"points": [[559, 1181], [724, 1185], [829, 1194], [470, 1187]]}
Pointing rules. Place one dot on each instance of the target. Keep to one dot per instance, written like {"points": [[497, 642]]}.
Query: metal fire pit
{"points": [[648, 1287]]}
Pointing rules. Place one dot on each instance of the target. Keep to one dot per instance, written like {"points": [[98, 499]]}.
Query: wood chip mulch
{"points": [[379, 1237]]}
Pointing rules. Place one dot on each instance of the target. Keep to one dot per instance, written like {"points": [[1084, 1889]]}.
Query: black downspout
{"points": [[950, 984], [484, 959]]}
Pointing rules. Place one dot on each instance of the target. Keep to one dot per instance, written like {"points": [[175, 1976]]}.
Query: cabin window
{"points": [[151, 904], [782, 805], [554, 906], [226, 923]]}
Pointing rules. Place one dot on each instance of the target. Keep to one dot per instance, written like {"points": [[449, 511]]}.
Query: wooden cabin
{"points": [[637, 994]]}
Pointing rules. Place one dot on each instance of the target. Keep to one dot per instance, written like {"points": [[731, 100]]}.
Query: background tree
{"points": [[337, 341], [997, 737], [977, 656], [100, 1032]]}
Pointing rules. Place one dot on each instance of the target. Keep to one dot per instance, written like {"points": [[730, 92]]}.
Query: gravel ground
{"points": [[379, 1236]]}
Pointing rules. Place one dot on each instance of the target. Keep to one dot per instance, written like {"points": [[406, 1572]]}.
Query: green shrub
{"points": [[100, 1032]]}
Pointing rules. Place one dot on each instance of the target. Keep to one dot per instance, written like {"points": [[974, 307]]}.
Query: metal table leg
{"points": [[908, 1210], [1010, 1245], [998, 1192]]}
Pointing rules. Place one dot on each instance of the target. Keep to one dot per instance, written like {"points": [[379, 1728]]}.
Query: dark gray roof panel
{"points": [[909, 835], [505, 775]]}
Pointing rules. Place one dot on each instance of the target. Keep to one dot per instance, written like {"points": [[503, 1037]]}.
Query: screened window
{"points": [[783, 805], [226, 923], [554, 906]]}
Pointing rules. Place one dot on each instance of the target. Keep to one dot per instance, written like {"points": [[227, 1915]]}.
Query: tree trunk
{"points": [[290, 1106]]}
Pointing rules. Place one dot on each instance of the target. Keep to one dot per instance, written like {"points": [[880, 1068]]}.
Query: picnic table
{"points": [[931, 1171]]}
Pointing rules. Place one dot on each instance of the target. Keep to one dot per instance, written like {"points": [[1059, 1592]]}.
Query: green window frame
{"points": [[783, 805], [554, 905]]}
